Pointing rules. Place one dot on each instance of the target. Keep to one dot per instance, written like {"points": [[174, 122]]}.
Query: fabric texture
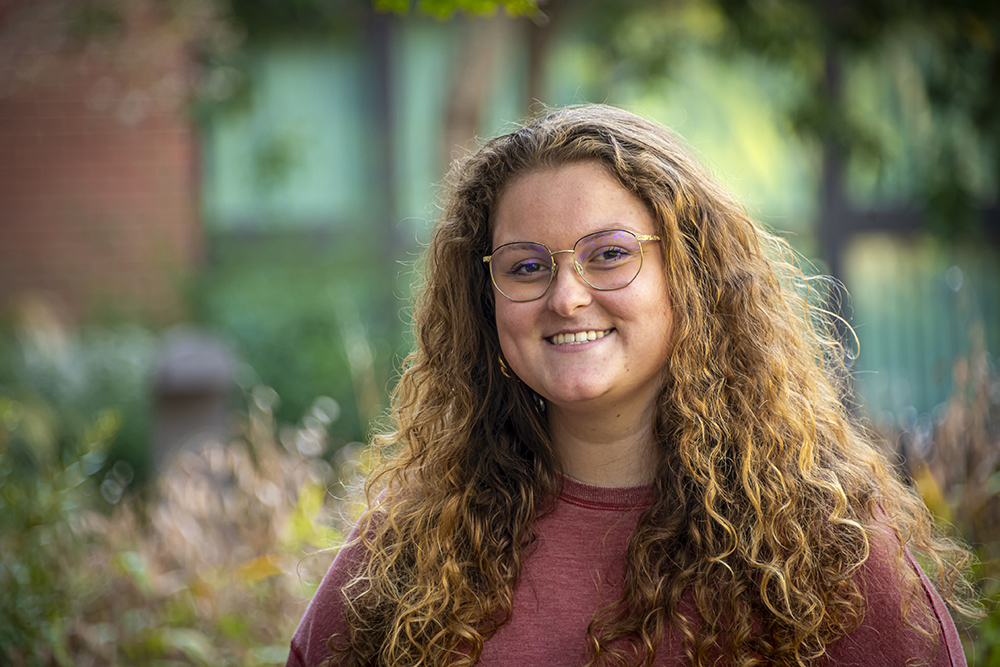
{"points": [[575, 567]]}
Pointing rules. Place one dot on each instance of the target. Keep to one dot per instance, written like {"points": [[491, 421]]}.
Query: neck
{"points": [[604, 447]]}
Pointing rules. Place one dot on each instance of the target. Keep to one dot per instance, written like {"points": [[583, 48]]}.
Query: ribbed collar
{"points": [[606, 497]]}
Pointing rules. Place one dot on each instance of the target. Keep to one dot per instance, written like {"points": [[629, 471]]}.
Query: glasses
{"points": [[607, 260]]}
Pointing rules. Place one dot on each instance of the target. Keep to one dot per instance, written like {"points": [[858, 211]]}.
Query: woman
{"points": [[621, 440]]}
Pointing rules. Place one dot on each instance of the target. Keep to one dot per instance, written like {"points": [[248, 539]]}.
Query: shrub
{"points": [[214, 569]]}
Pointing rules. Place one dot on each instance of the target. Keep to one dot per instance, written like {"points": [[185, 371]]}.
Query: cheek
{"points": [[659, 318], [506, 325], [669, 332], [514, 329]]}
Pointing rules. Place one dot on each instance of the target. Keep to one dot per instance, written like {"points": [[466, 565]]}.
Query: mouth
{"points": [[575, 338]]}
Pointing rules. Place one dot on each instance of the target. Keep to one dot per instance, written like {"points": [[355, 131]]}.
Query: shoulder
{"points": [[892, 583], [324, 617]]}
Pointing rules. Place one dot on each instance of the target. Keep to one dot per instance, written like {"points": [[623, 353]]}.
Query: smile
{"points": [[578, 337]]}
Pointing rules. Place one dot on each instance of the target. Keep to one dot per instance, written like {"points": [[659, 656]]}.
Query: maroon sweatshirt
{"points": [[575, 567]]}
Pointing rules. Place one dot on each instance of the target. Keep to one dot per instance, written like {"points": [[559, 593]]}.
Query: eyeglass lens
{"points": [[606, 260]]}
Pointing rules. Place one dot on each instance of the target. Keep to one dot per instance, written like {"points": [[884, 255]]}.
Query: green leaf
{"points": [[444, 9]]}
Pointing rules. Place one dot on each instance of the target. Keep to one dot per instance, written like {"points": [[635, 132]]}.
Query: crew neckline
{"points": [[606, 497]]}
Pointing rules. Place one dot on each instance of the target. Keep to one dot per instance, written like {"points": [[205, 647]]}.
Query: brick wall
{"points": [[98, 187]]}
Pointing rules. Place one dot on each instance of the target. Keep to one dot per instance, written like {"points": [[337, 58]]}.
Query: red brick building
{"points": [[98, 167]]}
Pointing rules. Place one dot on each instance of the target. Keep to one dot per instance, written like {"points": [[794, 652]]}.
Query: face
{"points": [[620, 366]]}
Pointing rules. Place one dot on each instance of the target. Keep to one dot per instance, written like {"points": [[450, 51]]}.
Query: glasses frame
{"points": [[640, 238]]}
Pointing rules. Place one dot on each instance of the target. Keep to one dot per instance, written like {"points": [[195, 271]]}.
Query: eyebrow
{"points": [[638, 235]]}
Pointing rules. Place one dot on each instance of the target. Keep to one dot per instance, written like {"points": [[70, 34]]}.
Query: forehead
{"points": [[558, 205]]}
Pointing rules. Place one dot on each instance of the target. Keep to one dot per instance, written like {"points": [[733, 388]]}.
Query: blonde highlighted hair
{"points": [[767, 494]]}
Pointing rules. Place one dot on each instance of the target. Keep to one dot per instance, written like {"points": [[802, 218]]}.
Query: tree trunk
{"points": [[483, 42]]}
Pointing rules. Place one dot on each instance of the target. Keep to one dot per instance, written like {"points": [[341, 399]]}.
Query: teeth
{"points": [[578, 337]]}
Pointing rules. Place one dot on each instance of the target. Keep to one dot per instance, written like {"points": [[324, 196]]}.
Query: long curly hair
{"points": [[766, 493]]}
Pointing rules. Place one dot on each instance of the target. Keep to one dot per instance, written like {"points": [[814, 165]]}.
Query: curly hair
{"points": [[767, 493]]}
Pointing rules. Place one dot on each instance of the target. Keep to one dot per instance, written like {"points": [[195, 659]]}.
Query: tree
{"points": [[934, 67]]}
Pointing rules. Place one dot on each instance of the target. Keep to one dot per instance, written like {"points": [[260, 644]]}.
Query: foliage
{"points": [[310, 315], [445, 8], [135, 44], [953, 459], [931, 71], [215, 569], [263, 20], [37, 533], [78, 378]]}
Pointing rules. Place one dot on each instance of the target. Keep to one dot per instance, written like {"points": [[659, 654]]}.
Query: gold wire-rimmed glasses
{"points": [[605, 260]]}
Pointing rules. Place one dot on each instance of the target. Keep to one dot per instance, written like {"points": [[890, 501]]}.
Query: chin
{"points": [[568, 399]]}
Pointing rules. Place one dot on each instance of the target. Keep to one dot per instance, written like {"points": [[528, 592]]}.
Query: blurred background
{"points": [[211, 217]]}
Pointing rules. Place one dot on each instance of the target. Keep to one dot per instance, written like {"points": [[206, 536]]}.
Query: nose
{"points": [[568, 291]]}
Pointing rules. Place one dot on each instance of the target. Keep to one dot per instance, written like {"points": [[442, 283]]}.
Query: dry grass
{"points": [[214, 568]]}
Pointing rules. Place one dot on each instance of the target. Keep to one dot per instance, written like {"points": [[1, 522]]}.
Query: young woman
{"points": [[621, 440]]}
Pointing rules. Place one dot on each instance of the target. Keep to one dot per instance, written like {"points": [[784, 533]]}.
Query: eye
{"points": [[612, 254], [609, 255], [522, 262], [529, 268]]}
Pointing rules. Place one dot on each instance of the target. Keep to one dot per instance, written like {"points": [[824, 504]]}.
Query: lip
{"points": [[581, 336]]}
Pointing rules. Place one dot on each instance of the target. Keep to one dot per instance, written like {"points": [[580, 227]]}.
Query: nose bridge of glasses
{"points": [[578, 268], [576, 262]]}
